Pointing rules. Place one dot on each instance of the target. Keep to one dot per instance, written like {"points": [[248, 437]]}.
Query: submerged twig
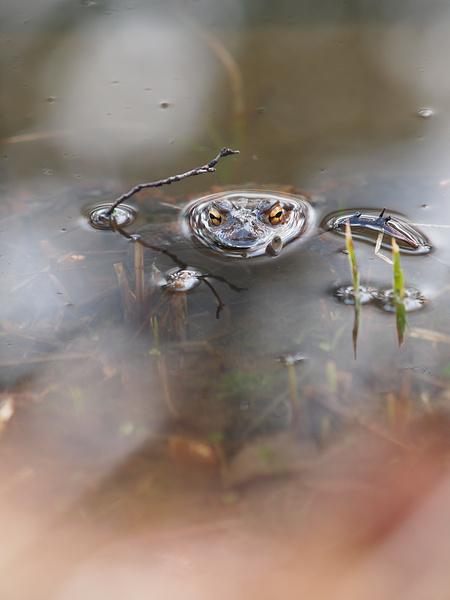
{"points": [[208, 168], [220, 304], [126, 295], [229, 63], [162, 369], [139, 278]]}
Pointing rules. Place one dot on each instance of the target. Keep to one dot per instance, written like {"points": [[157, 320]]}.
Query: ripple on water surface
{"points": [[413, 300], [98, 217], [346, 294]]}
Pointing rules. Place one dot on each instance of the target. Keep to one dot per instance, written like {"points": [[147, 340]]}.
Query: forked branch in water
{"points": [[208, 168]]}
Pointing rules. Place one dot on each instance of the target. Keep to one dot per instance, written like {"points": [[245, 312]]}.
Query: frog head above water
{"points": [[246, 223]]}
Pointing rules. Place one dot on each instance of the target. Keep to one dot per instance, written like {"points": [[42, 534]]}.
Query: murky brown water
{"points": [[149, 448]]}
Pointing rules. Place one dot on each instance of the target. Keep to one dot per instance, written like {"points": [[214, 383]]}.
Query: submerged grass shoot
{"points": [[155, 326], [356, 281], [399, 293]]}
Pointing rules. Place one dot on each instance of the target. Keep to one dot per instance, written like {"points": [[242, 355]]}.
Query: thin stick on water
{"points": [[208, 168]]}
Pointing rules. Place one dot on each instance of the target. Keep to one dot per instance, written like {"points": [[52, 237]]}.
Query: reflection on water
{"points": [[142, 437]]}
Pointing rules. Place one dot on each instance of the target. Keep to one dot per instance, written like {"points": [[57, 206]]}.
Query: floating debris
{"points": [[367, 226]]}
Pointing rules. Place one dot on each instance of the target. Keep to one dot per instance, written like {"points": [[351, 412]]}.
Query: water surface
{"points": [[175, 433]]}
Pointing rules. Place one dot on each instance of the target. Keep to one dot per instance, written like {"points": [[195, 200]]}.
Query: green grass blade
{"points": [[399, 294], [356, 281]]}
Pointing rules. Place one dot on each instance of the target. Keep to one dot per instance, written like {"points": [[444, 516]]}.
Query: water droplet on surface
{"points": [[346, 294], [98, 218], [425, 113], [384, 299]]}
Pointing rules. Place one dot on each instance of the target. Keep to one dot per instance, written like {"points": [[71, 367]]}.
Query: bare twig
{"points": [[208, 168]]}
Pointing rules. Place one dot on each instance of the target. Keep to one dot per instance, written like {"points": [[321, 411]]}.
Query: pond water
{"points": [[157, 441]]}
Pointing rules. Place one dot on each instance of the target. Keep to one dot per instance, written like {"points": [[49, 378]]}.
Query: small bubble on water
{"points": [[47, 171], [164, 104], [50, 99], [425, 113]]}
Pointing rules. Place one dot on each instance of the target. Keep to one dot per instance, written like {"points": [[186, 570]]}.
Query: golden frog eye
{"points": [[215, 218], [276, 214]]}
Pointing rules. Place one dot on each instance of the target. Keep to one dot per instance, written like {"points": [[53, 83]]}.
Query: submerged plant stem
{"points": [[166, 389], [139, 278], [293, 390]]}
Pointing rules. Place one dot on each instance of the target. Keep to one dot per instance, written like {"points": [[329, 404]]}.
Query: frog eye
{"points": [[214, 216], [276, 214]]}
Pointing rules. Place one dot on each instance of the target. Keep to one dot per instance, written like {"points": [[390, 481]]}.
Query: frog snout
{"points": [[244, 234]]}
